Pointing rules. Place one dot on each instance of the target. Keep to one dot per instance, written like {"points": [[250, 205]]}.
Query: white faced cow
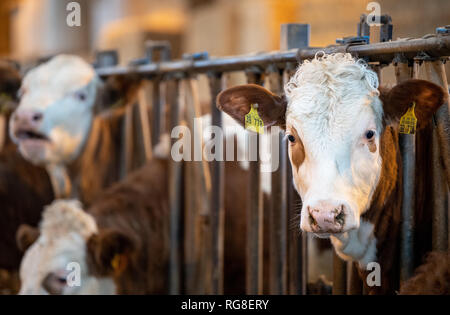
{"points": [[343, 147], [56, 126], [55, 112]]}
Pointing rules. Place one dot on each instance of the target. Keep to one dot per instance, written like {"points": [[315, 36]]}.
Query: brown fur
{"points": [[235, 248], [133, 220], [296, 149], [433, 277], [385, 209]]}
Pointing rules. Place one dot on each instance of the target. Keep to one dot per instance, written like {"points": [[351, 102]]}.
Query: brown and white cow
{"points": [[344, 152], [26, 187], [120, 244], [56, 125], [128, 221]]}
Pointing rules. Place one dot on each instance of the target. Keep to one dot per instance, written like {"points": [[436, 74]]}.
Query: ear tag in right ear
{"points": [[408, 122], [252, 120]]}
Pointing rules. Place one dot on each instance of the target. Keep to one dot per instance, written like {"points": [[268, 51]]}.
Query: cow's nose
{"points": [[326, 217], [28, 117]]}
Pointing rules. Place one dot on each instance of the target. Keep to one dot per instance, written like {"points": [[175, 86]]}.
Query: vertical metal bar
{"points": [[293, 36], [354, 283], [278, 209], [217, 210], [175, 178], [197, 201], [3, 131], [254, 264], [127, 141], [144, 121], [435, 72], [156, 117], [408, 153], [339, 275]]}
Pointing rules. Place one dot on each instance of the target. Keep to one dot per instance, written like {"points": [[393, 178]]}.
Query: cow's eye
{"points": [[370, 134], [80, 96], [291, 138]]}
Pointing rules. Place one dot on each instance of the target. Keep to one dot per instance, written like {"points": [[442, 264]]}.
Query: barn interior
{"points": [[34, 31]]}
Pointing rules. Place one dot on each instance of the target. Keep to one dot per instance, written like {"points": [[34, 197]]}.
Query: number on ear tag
{"points": [[252, 120], [408, 122]]}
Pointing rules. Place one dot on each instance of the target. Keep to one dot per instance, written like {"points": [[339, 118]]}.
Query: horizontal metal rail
{"points": [[434, 46]]}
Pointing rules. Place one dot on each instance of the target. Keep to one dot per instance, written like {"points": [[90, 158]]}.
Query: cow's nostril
{"points": [[340, 216], [37, 116]]}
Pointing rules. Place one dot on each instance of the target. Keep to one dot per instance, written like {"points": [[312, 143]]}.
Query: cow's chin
{"points": [[49, 152], [37, 151]]}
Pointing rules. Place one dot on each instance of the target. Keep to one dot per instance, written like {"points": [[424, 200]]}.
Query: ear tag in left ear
{"points": [[408, 122], [252, 120], [118, 263]]}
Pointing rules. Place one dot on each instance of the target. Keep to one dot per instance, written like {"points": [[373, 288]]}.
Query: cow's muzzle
{"points": [[327, 217]]}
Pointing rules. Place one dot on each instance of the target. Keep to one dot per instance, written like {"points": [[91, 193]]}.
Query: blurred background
{"points": [[33, 29]]}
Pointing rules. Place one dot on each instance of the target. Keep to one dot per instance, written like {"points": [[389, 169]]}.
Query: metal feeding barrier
{"points": [[288, 248]]}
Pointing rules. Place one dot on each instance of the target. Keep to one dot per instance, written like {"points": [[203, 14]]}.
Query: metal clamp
{"points": [[106, 58]]}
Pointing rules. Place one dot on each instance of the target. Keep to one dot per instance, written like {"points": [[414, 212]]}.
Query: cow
{"points": [[120, 243], [129, 219], [83, 157], [18, 178], [56, 127], [344, 151], [25, 184]]}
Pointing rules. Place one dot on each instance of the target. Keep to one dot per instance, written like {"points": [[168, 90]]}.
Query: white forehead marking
{"points": [[66, 216], [330, 95], [52, 80]]}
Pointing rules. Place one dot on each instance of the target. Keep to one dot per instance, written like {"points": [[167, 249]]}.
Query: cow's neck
{"points": [[97, 165]]}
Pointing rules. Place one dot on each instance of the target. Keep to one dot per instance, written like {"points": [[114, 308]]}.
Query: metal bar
{"points": [[127, 141], [435, 72], [175, 189], [197, 202], [156, 117], [354, 283], [408, 152], [145, 124], [339, 275], [385, 51], [278, 209], [217, 210], [434, 46], [292, 36], [254, 264]]}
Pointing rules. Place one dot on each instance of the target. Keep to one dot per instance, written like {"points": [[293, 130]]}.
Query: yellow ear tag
{"points": [[118, 263], [408, 122], [252, 120]]}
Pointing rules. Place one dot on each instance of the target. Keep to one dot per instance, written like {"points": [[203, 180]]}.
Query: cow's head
{"points": [[55, 113], [334, 117], [69, 255]]}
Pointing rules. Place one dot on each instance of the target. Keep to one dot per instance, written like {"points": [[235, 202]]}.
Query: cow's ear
{"points": [[427, 96], [237, 101], [109, 252], [26, 235]]}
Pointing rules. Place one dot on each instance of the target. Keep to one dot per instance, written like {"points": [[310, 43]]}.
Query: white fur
{"points": [[65, 228], [53, 89], [332, 102], [358, 245]]}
